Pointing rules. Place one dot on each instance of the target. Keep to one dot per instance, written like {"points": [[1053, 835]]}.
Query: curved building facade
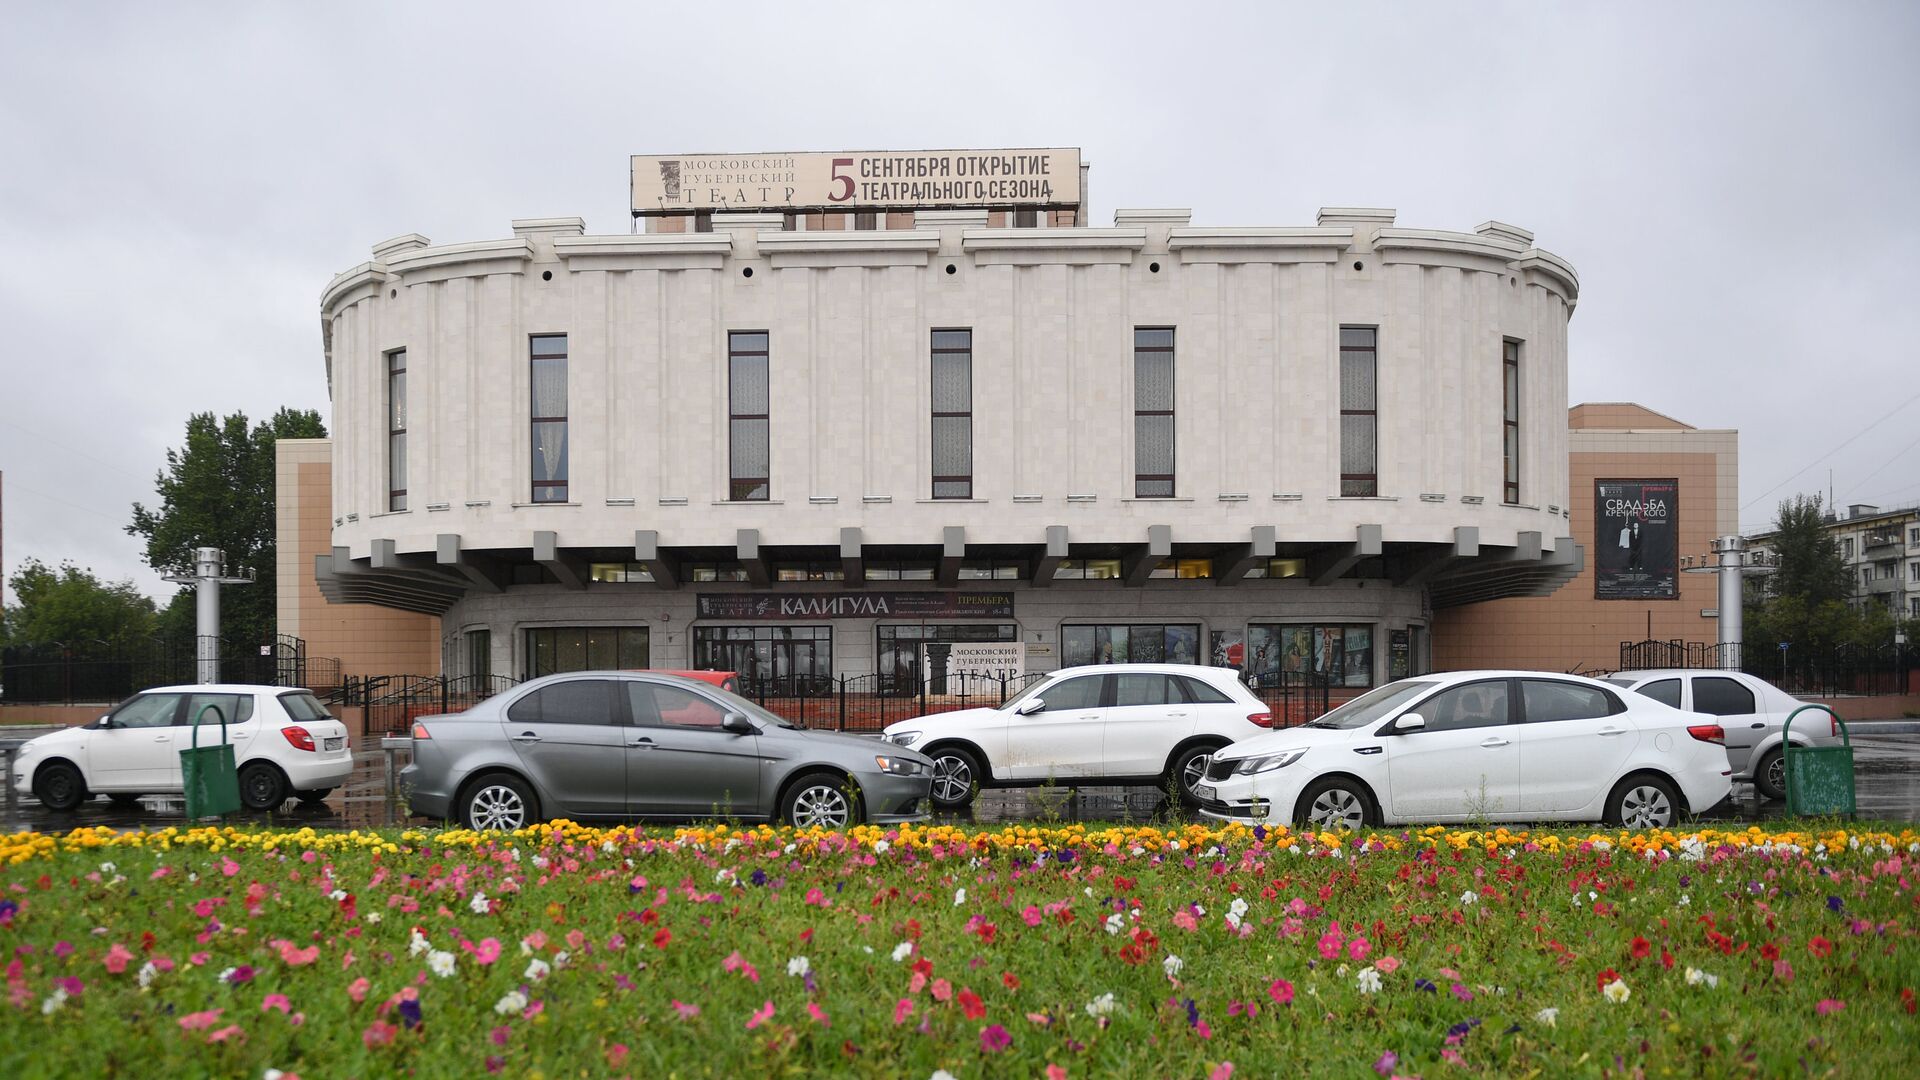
{"points": [[805, 452]]}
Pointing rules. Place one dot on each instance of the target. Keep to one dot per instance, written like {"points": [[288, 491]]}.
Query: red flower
{"points": [[971, 1005], [923, 966], [1601, 980], [1907, 999], [1820, 946], [1641, 947], [1769, 951], [1666, 959], [661, 937], [1010, 980]]}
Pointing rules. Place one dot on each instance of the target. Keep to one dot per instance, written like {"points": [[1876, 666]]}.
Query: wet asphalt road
{"points": [[1886, 770]]}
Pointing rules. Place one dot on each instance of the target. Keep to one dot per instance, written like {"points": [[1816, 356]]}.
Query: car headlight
{"points": [[902, 738], [26, 750], [898, 766], [1267, 762]]}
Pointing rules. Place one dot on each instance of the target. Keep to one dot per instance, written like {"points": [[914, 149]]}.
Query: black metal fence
{"points": [[94, 673], [394, 701], [1797, 669]]}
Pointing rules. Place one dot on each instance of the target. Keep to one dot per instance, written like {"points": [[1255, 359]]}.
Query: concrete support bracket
{"points": [[853, 566], [1050, 556], [953, 549], [1235, 565], [568, 568], [646, 552], [747, 550], [1140, 565], [1329, 566], [479, 574]]}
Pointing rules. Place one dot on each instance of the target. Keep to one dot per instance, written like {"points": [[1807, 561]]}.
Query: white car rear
{"points": [[285, 743], [1108, 724], [1478, 745]]}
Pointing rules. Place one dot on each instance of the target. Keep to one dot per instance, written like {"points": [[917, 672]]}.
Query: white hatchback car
{"points": [[1494, 745], [1753, 711], [1111, 724], [284, 743]]}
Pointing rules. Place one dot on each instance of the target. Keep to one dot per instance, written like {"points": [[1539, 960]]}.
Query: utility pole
{"points": [[1730, 560], [207, 575]]}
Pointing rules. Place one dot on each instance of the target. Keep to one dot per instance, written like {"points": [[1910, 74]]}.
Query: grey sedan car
{"points": [[630, 744]]}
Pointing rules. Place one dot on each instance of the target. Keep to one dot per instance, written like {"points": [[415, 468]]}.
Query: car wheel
{"points": [[1334, 803], [60, 786], [821, 800], [317, 795], [1770, 776], [124, 799], [261, 786], [1189, 767], [956, 777], [498, 803], [1644, 802]]}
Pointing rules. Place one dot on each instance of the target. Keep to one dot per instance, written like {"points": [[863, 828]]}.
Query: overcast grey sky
{"points": [[1732, 181]]}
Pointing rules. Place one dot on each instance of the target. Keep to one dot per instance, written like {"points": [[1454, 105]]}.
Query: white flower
{"points": [[337, 895], [419, 943], [1602, 845], [1341, 971], [54, 1002], [1616, 991], [1088, 890], [511, 1003], [1199, 910], [537, 969], [607, 846], [1368, 980], [560, 958], [373, 916], [1115, 921], [1549, 1017], [942, 1074], [540, 862], [147, 974], [273, 1074], [1684, 901], [107, 868], [1172, 965], [880, 847], [1293, 849], [1695, 977], [478, 905], [441, 962], [959, 897], [868, 949], [902, 951], [1469, 897], [799, 966], [225, 975], [1101, 1006], [1235, 912]]}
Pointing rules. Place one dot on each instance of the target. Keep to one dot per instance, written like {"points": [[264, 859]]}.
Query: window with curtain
{"points": [[953, 414], [1153, 412], [1510, 417], [548, 411], [1359, 417], [397, 430], [747, 415]]}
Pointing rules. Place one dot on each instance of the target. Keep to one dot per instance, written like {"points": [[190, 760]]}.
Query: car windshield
{"points": [[1372, 705], [741, 705]]}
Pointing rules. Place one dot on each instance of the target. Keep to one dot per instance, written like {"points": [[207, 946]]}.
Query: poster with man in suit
{"points": [[1636, 544]]}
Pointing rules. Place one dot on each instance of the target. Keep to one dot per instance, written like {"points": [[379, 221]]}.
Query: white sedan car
{"points": [[1753, 711], [1474, 745], [1109, 724], [284, 743]]}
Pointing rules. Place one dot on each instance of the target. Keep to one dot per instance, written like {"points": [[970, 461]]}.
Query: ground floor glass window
{"points": [[1341, 654], [897, 656], [1133, 643], [780, 660], [553, 649]]}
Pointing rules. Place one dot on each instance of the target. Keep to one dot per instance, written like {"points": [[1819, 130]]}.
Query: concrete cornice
{"points": [[1554, 267], [451, 255], [1452, 243], [1053, 239], [366, 274], [849, 241], [644, 244], [1259, 237], [1129, 219]]}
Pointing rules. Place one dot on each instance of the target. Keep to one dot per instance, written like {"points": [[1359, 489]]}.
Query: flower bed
{"points": [[1080, 951]]}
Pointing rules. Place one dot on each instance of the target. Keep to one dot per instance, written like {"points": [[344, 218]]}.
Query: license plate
{"points": [[335, 744], [1205, 791]]}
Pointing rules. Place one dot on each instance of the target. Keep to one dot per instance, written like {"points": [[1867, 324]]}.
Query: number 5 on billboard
{"points": [[845, 192]]}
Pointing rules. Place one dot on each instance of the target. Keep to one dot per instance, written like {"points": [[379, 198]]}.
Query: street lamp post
{"points": [[207, 575], [1731, 560]]}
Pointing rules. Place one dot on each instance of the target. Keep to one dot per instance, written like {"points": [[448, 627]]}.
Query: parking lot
{"points": [[1886, 770]]}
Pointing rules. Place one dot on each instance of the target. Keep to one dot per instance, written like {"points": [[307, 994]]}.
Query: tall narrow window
{"points": [[1152, 412], [953, 414], [1026, 219], [1510, 417], [747, 409], [397, 430], [548, 411], [1359, 419], [866, 221]]}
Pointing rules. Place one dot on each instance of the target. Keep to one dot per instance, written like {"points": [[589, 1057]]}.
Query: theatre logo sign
{"points": [[856, 179]]}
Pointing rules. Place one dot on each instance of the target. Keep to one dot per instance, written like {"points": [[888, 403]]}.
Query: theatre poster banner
{"points": [[856, 179], [858, 605], [1636, 540]]}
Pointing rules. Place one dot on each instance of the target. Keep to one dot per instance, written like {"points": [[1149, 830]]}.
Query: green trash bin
{"points": [[212, 783], [1819, 778]]}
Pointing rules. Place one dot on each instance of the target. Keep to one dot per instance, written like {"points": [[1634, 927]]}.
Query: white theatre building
{"points": [[808, 444]]}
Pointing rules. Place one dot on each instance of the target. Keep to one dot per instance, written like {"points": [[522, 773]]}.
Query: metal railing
{"points": [[1845, 670], [95, 673]]}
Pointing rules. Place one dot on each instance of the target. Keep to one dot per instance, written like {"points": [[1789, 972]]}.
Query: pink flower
{"points": [[942, 990], [1055, 1072], [1184, 920], [1386, 965], [760, 1016], [276, 1001], [200, 1020], [686, 1011], [357, 990], [901, 1010], [1829, 1005], [917, 983], [117, 958], [616, 1055], [1331, 943], [819, 1014], [1281, 991], [1222, 1071], [1783, 971], [1032, 915], [1358, 949], [994, 1039], [225, 1033], [379, 1033], [487, 951], [293, 957]]}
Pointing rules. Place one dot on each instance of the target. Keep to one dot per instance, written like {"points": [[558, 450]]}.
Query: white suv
{"points": [[284, 742], [1110, 724]]}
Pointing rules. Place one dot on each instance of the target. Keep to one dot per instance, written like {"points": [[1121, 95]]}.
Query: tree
{"points": [[1810, 564], [218, 491], [71, 607]]}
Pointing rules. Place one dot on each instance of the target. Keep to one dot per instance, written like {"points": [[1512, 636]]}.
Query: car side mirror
{"points": [[737, 723], [1030, 706], [104, 722], [1413, 721]]}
